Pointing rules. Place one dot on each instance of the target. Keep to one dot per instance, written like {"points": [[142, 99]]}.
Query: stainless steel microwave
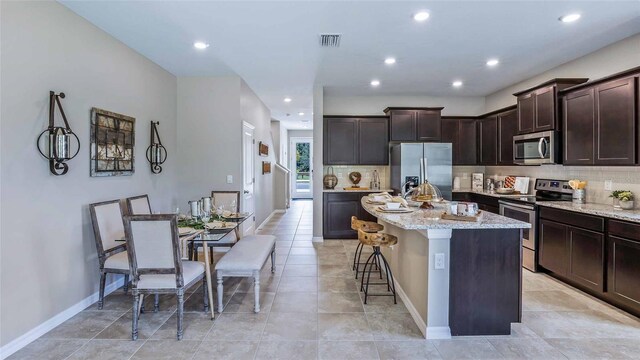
{"points": [[537, 148]]}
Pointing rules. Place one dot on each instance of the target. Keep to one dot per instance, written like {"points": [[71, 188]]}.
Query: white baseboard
{"points": [[438, 332], [56, 320], [317, 239], [277, 211]]}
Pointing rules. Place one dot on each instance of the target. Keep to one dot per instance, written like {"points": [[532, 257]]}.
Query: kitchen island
{"points": [[476, 290]]}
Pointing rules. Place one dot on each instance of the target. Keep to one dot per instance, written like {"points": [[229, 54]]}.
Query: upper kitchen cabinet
{"points": [[488, 140], [461, 132], [601, 121], [356, 140], [415, 124], [538, 108], [507, 128]]}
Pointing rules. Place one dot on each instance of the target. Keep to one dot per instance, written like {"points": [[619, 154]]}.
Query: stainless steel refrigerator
{"points": [[405, 165]]}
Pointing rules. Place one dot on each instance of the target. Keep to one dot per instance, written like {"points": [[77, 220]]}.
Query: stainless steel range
{"points": [[525, 209]]}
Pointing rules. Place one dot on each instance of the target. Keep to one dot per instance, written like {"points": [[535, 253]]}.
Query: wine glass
{"points": [[205, 216]]}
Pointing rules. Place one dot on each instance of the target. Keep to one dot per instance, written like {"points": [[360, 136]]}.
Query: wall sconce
{"points": [[156, 153], [59, 146]]}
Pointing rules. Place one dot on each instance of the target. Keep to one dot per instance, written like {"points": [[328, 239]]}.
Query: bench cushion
{"points": [[247, 254]]}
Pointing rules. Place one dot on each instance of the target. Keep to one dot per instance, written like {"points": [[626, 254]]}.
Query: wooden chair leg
{"points": [[220, 291], [206, 294], [103, 280], [256, 290], [180, 313], [273, 259], [136, 313], [156, 303], [126, 283]]}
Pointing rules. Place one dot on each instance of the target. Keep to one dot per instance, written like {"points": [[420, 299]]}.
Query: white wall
{"points": [[318, 113], [256, 113], [620, 56], [374, 105], [48, 254]]}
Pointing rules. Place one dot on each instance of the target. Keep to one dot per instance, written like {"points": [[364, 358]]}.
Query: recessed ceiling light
{"points": [[200, 45], [287, 99], [569, 18], [390, 61], [492, 62], [375, 82], [457, 83], [421, 16], [300, 113]]}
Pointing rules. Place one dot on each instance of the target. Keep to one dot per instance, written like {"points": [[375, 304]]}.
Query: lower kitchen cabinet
{"points": [[586, 258], [485, 203], [623, 270], [338, 208], [554, 254]]}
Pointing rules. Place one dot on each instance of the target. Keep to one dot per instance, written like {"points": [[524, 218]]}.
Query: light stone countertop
{"points": [[430, 219], [491, 193], [604, 210]]}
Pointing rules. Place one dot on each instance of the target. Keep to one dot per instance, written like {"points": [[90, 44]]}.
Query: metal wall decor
{"points": [[112, 143], [59, 138], [156, 153]]}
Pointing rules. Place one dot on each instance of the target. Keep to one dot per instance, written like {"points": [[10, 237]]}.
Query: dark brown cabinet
{"points": [[415, 124], [488, 140], [554, 254], [356, 141], [462, 134], [538, 107], [615, 131], [601, 123], [586, 258], [486, 203], [338, 207], [579, 119], [507, 128], [624, 264]]}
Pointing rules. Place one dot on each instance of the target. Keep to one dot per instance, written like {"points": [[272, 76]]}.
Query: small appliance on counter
{"points": [[525, 209]]}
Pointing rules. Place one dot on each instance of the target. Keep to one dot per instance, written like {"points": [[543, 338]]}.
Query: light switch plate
{"points": [[229, 179], [608, 185], [439, 265]]}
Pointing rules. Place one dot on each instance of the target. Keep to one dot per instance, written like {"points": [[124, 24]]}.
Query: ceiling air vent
{"points": [[330, 40]]}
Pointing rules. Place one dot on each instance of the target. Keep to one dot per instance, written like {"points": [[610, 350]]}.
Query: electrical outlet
{"points": [[608, 185], [229, 179], [439, 265]]}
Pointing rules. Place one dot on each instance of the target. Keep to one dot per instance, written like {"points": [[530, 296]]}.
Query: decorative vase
{"points": [[626, 205], [616, 203]]}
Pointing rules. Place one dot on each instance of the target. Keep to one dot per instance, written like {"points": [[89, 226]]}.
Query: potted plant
{"points": [[624, 199]]}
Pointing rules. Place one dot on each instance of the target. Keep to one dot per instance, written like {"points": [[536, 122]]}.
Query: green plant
{"points": [[622, 195]]}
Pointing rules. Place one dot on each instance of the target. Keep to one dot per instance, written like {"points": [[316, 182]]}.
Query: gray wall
{"points": [[48, 253]]}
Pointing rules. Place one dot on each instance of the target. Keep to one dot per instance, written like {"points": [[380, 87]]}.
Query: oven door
{"points": [[524, 213], [535, 149]]}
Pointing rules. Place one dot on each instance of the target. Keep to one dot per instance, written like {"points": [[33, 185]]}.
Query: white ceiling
{"points": [[273, 45]]}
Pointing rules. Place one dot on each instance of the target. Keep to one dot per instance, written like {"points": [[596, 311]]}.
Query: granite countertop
{"points": [[390, 191], [490, 193], [430, 219], [604, 210]]}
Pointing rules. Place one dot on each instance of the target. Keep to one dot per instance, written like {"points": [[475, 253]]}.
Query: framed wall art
{"points": [[263, 149], [266, 167], [112, 143]]}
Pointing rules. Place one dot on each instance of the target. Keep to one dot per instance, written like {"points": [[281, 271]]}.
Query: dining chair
{"points": [[108, 230], [139, 205], [156, 263], [224, 199]]}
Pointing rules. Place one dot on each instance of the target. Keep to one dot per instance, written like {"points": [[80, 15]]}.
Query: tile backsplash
{"points": [[623, 177], [342, 172]]}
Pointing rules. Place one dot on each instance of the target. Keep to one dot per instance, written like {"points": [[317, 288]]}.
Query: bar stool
{"points": [[377, 240], [368, 227]]}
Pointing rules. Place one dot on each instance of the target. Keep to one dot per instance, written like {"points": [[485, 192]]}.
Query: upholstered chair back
{"points": [[108, 227], [225, 199], [139, 205]]}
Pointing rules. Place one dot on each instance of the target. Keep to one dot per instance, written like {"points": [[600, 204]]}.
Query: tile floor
{"points": [[311, 309]]}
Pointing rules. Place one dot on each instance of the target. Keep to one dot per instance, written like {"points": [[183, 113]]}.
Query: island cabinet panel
{"points": [[415, 124], [616, 124], [586, 258], [462, 134], [356, 141], [373, 141], [340, 141], [554, 247], [488, 140], [485, 281], [507, 128], [485, 203], [526, 113], [338, 207], [578, 124]]}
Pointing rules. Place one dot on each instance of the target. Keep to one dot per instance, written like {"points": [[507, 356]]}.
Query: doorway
{"points": [[301, 164], [248, 176]]}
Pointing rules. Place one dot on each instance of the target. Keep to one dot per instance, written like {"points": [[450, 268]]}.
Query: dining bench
{"points": [[245, 259]]}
